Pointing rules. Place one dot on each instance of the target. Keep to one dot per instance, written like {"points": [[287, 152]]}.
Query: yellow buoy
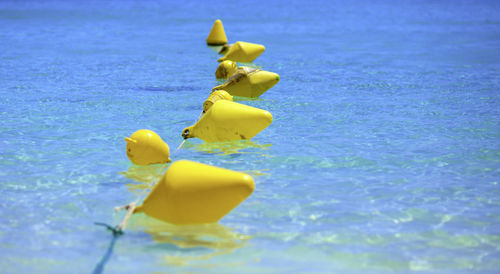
{"points": [[225, 69], [228, 121], [243, 52], [217, 35], [145, 147], [194, 193], [248, 82], [214, 97]]}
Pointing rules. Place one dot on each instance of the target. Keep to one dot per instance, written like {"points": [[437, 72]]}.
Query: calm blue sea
{"points": [[384, 152]]}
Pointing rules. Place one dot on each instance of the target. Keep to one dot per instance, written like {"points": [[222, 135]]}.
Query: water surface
{"points": [[384, 152]]}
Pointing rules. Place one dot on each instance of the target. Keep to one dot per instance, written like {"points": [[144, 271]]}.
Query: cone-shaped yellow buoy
{"points": [[194, 193], [243, 52], [145, 147], [249, 83], [217, 35], [214, 97], [228, 121], [225, 69]]}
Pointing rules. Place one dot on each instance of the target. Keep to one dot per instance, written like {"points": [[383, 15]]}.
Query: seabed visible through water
{"points": [[383, 154]]}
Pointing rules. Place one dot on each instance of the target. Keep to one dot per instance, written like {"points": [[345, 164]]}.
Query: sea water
{"points": [[383, 155]]}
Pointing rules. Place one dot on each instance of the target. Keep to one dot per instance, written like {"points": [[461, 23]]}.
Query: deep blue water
{"points": [[384, 152]]}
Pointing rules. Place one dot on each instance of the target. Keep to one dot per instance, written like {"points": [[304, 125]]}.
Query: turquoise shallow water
{"points": [[384, 152]]}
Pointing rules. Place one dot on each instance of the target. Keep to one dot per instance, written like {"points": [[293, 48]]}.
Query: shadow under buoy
{"points": [[227, 148], [206, 240]]}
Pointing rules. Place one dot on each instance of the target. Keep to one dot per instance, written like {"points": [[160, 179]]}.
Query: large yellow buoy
{"points": [[248, 82], [214, 97], [243, 52], [145, 147], [228, 121], [194, 193], [217, 35]]}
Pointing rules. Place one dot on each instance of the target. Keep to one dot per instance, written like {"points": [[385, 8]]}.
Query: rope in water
{"points": [[179, 147], [99, 268], [118, 230]]}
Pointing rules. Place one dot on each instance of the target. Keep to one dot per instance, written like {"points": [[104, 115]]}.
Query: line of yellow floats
{"points": [[195, 193]]}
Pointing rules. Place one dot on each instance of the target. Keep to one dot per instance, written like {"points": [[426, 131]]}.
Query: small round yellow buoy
{"points": [[145, 147], [195, 193], [225, 69]]}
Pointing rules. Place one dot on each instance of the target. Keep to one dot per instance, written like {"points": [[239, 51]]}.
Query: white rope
{"points": [[179, 147]]}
